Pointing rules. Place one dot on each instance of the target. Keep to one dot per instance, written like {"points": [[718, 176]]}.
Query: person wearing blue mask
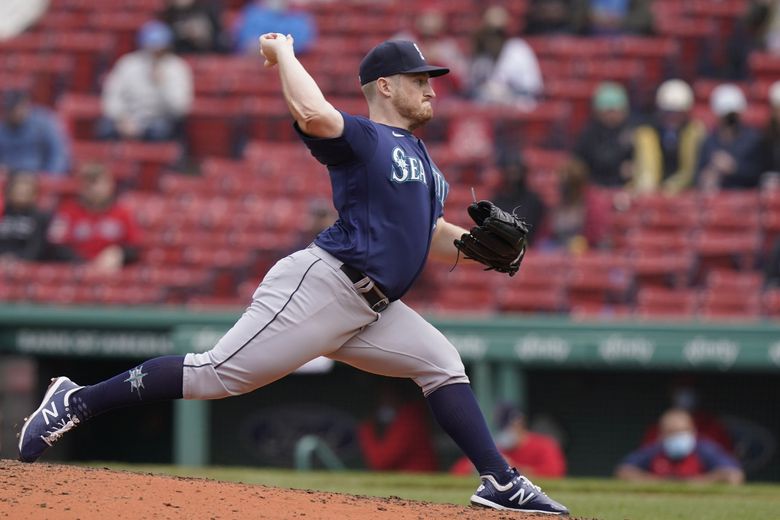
{"points": [[680, 455]]}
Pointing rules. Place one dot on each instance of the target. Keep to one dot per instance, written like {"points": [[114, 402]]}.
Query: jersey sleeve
{"points": [[714, 457], [357, 143], [641, 458]]}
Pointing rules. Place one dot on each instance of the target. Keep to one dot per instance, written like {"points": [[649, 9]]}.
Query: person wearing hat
{"points": [[730, 156], [31, 137], [667, 148], [532, 453], [341, 296], [149, 91], [605, 148]]}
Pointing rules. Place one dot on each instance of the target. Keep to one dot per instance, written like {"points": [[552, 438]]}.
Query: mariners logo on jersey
{"points": [[408, 168]]}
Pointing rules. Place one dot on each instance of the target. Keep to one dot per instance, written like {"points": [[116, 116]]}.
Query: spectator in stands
{"points": [[397, 437], [95, 228], [579, 220], [22, 224], [533, 454], [680, 455], [267, 16], [31, 138], [763, 25], [196, 26], [667, 148], [771, 138], [605, 147], [515, 195], [148, 92], [504, 69], [610, 17], [430, 32], [684, 396], [556, 17], [730, 156]]}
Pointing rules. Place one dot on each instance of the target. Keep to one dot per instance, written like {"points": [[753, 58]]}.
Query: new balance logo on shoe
{"points": [[50, 421], [53, 413], [519, 494], [522, 497]]}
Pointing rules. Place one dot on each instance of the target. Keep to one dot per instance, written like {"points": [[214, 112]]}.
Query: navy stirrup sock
{"points": [[157, 379], [458, 413]]}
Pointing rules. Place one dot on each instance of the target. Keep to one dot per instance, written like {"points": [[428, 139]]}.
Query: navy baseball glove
{"points": [[497, 241]]}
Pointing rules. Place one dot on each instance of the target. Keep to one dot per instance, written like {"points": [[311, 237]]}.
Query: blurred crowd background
{"points": [[147, 157]]}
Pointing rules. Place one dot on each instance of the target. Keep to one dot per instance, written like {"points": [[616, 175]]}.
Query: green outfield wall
{"points": [[508, 358]]}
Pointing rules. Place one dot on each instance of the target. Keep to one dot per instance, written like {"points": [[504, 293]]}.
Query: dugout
{"points": [[597, 385]]}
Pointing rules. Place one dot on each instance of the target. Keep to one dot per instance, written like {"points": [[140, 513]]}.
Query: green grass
{"points": [[591, 498]]}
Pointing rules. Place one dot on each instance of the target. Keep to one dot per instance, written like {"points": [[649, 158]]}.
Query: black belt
{"points": [[367, 287]]}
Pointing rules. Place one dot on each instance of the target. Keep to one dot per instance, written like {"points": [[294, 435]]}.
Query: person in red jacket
{"points": [[397, 437], [95, 228], [531, 453]]}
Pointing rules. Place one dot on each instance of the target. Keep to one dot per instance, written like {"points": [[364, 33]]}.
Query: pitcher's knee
{"points": [[431, 384], [202, 380]]}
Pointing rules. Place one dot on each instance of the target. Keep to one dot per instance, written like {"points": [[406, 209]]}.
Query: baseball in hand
{"points": [[269, 46]]}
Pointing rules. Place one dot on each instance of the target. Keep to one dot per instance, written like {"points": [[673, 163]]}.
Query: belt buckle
{"points": [[381, 305]]}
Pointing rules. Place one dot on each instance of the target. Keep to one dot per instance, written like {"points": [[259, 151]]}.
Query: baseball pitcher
{"points": [[341, 296]]}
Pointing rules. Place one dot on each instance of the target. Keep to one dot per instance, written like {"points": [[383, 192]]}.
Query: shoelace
{"points": [[537, 488], [61, 428]]}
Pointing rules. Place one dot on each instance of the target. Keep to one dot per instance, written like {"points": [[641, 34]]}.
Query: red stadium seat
{"points": [[466, 300], [80, 114], [717, 304], [599, 278], [212, 126], [662, 268], [730, 250], [770, 302], [532, 299], [678, 304]]}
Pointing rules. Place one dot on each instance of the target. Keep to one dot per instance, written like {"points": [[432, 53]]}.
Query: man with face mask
{"points": [[680, 455], [730, 157]]}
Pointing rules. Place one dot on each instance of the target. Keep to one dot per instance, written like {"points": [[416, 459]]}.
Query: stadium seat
{"points": [[212, 127], [532, 299], [599, 278], [728, 303], [466, 300], [770, 302], [725, 280], [656, 302], [764, 65], [662, 268], [80, 114], [730, 250]]}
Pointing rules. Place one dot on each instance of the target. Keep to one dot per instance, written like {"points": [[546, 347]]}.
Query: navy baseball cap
{"points": [[395, 57]]}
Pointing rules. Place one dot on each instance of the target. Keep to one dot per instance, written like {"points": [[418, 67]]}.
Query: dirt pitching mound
{"points": [[50, 491]]}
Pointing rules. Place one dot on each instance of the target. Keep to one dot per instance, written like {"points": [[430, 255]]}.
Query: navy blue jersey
{"points": [[389, 195]]}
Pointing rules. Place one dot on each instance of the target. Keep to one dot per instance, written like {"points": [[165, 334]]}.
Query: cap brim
{"points": [[432, 70]]}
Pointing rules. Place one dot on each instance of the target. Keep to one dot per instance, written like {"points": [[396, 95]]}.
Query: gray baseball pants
{"points": [[306, 307]]}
